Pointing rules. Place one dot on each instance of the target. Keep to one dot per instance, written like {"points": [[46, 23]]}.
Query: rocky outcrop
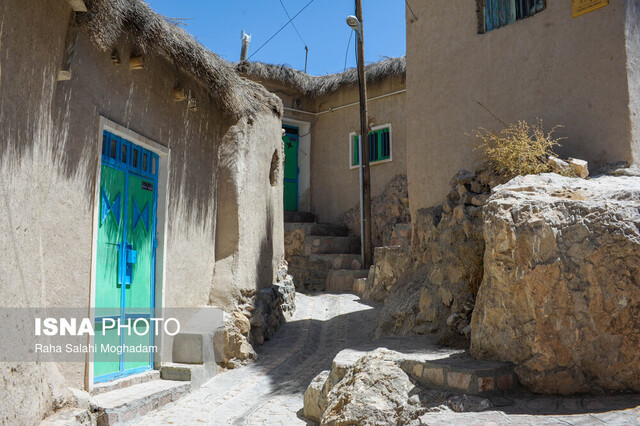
{"points": [[436, 294], [561, 290], [389, 208], [258, 316], [377, 388], [390, 264]]}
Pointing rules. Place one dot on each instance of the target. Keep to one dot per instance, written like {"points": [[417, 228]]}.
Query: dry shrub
{"points": [[517, 149]]}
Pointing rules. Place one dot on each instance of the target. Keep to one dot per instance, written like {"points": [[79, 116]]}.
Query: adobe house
{"points": [[522, 60], [136, 167], [321, 122]]}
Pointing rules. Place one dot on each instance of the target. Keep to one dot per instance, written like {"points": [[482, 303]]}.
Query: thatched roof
{"points": [[315, 86], [107, 20]]}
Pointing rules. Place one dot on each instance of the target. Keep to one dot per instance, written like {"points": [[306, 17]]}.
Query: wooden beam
{"points": [[64, 75], [136, 63], [179, 94], [77, 5]]}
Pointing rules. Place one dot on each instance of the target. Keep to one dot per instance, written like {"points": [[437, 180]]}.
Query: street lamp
{"points": [[355, 25], [355, 22]]}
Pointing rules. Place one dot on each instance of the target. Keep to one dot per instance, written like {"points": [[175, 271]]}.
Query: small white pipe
{"points": [[347, 105]]}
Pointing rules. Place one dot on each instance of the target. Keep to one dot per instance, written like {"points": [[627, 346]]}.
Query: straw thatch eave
{"points": [[316, 86], [107, 20]]}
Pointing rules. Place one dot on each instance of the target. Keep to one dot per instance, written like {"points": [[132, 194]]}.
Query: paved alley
{"points": [[270, 392]]}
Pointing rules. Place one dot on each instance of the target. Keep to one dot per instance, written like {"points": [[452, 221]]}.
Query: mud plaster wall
{"points": [[49, 154], [566, 71], [334, 186]]}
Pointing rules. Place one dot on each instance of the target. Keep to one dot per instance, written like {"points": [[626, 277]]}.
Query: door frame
{"points": [[162, 212], [304, 161], [297, 181]]}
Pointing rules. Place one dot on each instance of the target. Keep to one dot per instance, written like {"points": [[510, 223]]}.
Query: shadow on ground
{"points": [[304, 347]]}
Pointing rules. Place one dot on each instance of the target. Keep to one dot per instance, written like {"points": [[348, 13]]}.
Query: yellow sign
{"points": [[580, 7]]}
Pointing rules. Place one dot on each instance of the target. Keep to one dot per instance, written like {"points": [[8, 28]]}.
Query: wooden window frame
{"points": [[483, 24], [352, 135]]}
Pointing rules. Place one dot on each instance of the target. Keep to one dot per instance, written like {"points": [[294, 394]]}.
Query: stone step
{"points": [[359, 285], [323, 229], [463, 374], [326, 262], [343, 279], [314, 244], [128, 404], [196, 374], [310, 272], [68, 416], [291, 216], [125, 382]]}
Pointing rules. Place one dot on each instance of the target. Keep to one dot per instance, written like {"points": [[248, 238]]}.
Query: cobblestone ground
{"points": [[270, 392]]}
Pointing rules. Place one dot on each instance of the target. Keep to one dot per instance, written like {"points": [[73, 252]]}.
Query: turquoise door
{"points": [[291, 139], [125, 269]]}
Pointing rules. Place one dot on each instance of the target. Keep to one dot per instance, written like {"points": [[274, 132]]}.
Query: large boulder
{"points": [[374, 391], [560, 295]]}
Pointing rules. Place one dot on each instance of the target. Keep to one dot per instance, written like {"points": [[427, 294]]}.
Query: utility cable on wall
{"points": [[415, 18]]}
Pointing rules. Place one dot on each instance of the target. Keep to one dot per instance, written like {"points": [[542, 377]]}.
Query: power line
{"points": [[415, 18], [294, 25], [346, 55], [281, 28]]}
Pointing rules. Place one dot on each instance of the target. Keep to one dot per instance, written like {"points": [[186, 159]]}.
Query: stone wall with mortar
{"points": [[389, 208], [430, 286]]}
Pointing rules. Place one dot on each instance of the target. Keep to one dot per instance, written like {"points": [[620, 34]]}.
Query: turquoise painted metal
{"points": [[125, 278]]}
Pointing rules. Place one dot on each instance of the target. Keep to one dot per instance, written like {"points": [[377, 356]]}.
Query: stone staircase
{"points": [[125, 400], [326, 258]]}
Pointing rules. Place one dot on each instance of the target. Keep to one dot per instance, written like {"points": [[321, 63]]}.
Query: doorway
{"points": [[291, 140], [125, 258]]}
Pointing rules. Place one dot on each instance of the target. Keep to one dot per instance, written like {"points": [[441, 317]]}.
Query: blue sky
{"points": [[217, 24]]}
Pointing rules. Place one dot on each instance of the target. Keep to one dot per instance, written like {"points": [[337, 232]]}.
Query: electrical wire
{"points": [[281, 28], [294, 25], [346, 55], [415, 18]]}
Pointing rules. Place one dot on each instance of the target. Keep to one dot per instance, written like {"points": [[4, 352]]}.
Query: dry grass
{"points": [[518, 149], [316, 86]]}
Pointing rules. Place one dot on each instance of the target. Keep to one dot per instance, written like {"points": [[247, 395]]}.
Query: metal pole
{"points": [[306, 56], [246, 39], [364, 143]]}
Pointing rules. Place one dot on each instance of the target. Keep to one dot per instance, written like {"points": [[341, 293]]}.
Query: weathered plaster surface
{"points": [[334, 186], [571, 72], [49, 155]]}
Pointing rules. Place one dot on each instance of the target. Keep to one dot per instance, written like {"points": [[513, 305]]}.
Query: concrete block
{"points": [[433, 375], [417, 370], [458, 380], [188, 348], [506, 382], [486, 384]]}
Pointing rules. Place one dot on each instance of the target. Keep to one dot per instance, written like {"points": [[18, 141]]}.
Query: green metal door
{"points": [[125, 276], [291, 139]]}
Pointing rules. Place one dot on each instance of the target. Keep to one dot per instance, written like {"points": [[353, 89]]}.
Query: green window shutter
{"points": [[356, 151], [379, 146]]}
